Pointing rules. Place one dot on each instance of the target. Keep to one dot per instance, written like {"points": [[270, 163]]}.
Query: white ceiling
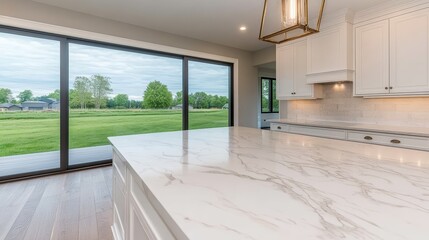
{"points": [[214, 21]]}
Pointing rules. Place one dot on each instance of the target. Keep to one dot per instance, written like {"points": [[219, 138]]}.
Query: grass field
{"points": [[32, 132]]}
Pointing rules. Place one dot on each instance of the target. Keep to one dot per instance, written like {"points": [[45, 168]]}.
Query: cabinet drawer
{"points": [[279, 127], [118, 182], [118, 227], [390, 140], [144, 217], [318, 132], [138, 227], [119, 206], [119, 163]]}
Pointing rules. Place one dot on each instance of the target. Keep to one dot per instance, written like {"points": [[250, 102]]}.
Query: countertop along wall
{"points": [[339, 104], [247, 90]]}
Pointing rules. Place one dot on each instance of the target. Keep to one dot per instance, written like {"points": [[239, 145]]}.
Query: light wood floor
{"points": [[75, 205]]}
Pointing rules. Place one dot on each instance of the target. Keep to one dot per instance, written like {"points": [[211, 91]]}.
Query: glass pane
{"points": [[265, 98], [275, 101], [208, 95], [115, 93], [29, 104]]}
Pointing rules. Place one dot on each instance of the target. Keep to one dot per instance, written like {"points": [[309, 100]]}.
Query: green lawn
{"points": [[32, 132]]}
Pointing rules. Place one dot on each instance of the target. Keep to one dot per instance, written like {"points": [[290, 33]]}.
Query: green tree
{"points": [[275, 101], [265, 95], [74, 99], [55, 95], [199, 100], [100, 86], [135, 104], [5, 95], [82, 91], [178, 98], [25, 95], [157, 96], [121, 101], [224, 100], [111, 103], [215, 101]]}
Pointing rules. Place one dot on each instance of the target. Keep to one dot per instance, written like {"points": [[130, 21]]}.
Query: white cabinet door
{"points": [[119, 205], [144, 221], [409, 51], [138, 227], [372, 58], [302, 89], [285, 72], [291, 60]]}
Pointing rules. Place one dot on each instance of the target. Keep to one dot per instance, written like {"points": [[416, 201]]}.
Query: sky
{"points": [[32, 63]]}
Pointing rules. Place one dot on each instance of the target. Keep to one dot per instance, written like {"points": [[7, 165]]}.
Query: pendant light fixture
{"points": [[285, 20]]}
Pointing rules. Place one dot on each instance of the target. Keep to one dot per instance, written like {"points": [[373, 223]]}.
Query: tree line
{"points": [[157, 96], [26, 95], [93, 92]]}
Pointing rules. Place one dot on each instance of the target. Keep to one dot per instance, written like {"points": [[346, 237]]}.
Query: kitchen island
{"points": [[242, 183]]}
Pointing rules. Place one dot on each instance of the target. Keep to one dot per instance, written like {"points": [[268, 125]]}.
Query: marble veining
{"points": [[414, 131], [241, 183]]}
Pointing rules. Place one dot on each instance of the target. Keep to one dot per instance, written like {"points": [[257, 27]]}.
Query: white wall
{"points": [[264, 56], [247, 73]]}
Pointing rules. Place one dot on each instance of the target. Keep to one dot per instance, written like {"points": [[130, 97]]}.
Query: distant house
{"points": [[226, 106], [52, 103], [10, 107], [55, 105], [42, 104], [35, 105], [179, 106]]}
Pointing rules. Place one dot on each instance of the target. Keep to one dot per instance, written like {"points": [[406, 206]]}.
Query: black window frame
{"points": [[270, 94], [64, 92]]}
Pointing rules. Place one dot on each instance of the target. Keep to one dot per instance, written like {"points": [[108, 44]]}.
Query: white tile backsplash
{"points": [[340, 105]]}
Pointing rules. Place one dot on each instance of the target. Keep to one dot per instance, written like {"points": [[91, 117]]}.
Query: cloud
{"points": [[32, 63], [209, 78], [29, 63]]}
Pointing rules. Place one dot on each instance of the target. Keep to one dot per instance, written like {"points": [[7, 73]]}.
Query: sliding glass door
{"points": [[209, 94], [116, 92], [29, 103], [61, 98]]}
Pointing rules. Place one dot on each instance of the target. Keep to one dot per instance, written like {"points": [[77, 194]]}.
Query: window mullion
{"points": [[185, 93], [64, 104]]}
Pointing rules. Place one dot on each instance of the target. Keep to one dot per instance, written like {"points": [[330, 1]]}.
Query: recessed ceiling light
{"points": [[243, 28]]}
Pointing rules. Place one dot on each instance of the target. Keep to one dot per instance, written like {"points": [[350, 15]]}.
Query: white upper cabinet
{"points": [[392, 56], [285, 72], [372, 58], [409, 51], [300, 69], [330, 55], [291, 68]]}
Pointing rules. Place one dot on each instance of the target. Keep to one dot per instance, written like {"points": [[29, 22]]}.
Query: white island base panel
{"points": [[241, 183]]}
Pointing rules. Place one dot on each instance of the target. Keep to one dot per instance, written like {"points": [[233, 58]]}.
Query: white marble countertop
{"points": [[242, 183], [414, 131]]}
